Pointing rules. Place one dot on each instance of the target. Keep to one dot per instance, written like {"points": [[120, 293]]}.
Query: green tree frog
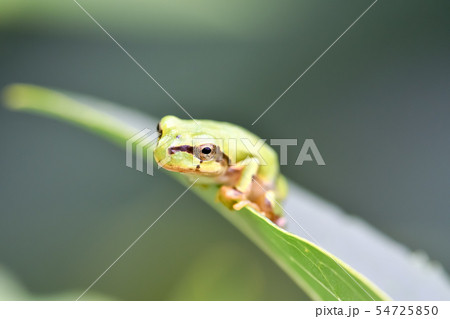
{"points": [[245, 168]]}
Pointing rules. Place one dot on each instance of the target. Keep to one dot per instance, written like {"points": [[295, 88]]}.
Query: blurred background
{"points": [[377, 106]]}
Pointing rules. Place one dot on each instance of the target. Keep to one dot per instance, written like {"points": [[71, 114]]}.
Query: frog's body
{"points": [[224, 154]]}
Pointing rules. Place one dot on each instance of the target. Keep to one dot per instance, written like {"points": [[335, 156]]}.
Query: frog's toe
{"points": [[232, 193], [230, 196], [241, 204], [281, 222]]}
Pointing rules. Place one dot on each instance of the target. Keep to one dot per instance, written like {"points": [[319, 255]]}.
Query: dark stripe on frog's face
{"points": [[220, 156], [181, 148]]}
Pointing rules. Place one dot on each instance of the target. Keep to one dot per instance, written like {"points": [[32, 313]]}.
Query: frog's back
{"points": [[244, 148]]}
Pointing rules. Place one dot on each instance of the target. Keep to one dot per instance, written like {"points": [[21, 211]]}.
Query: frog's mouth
{"points": [[196, 170], [193, 171]]}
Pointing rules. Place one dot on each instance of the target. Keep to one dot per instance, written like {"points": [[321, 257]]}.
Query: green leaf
{"points": [[320, 274]]}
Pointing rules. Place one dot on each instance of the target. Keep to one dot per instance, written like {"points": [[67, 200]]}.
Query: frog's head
{"points": [[184, 146]]}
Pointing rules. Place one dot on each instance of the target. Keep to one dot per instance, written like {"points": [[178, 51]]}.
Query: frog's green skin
{"points": [[247, 177]]}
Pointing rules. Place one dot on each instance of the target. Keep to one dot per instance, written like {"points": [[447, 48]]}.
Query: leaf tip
{"points": [[17, 96]]}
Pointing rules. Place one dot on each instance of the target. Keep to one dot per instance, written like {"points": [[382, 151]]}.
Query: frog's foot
{"points": [[269, 208], [235, 199], [230, 196], [281, 222], [243, 203]]}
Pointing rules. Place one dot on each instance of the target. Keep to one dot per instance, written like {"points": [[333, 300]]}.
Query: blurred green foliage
{"points": [[177, 19]]}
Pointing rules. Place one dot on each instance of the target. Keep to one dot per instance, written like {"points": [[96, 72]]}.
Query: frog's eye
{"points": [[205, 152]]}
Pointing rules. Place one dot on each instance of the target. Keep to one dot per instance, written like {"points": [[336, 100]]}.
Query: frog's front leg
{"points": [[236, 189], [248, 191], [250, 168]]}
